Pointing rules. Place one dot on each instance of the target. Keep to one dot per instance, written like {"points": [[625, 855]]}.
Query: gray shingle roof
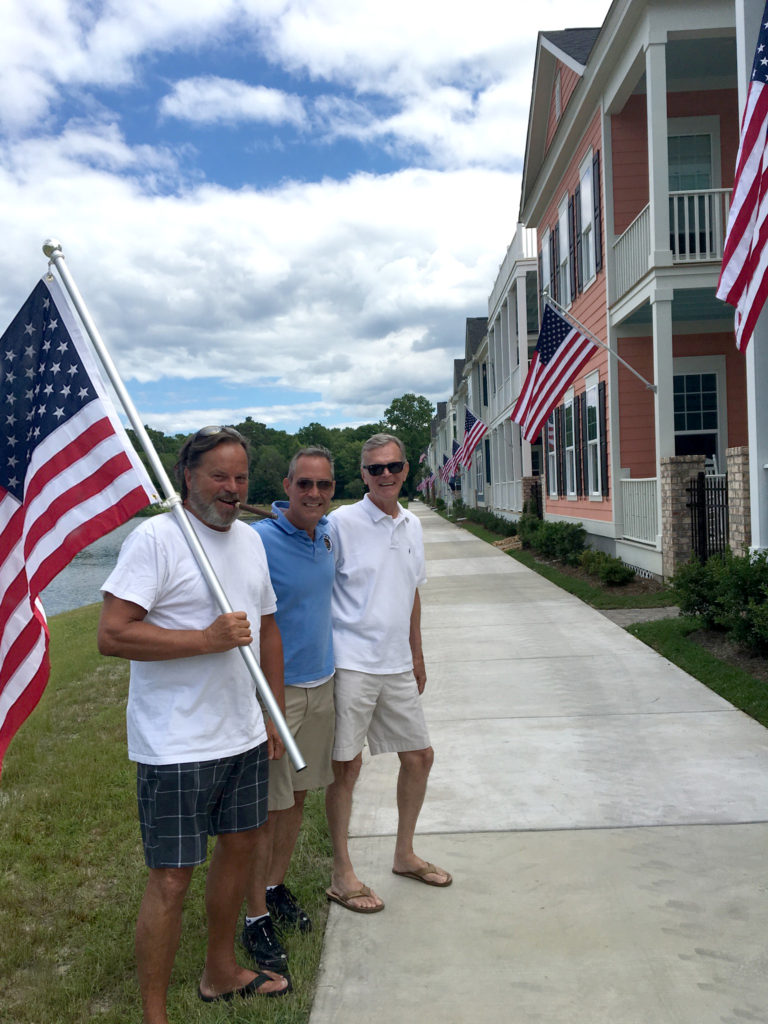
{"points": [[576, 42]]}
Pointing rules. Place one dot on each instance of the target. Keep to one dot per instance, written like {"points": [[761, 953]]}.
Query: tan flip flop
{"points": [[419, 875], [344, 900]]}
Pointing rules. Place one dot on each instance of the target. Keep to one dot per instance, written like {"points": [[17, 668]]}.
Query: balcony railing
{"points": [[638, 498], [697, 223]]}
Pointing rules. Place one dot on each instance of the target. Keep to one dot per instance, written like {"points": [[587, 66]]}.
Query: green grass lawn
{"points": [[73, 868]]}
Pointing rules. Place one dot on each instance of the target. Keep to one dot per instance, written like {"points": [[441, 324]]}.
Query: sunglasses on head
{"points": [[213, 431], [304, 484], [378, 468]]}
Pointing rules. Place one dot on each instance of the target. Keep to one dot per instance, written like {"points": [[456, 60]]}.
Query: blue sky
{"points": [[272, 208]]}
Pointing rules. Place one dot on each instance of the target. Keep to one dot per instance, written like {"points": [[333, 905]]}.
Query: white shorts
{"points": [[385, 708]]}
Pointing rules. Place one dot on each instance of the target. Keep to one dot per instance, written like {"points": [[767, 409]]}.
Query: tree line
{"points": [[408, 416]]}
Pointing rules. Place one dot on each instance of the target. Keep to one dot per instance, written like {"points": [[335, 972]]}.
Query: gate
{"points": [[708, 502]]}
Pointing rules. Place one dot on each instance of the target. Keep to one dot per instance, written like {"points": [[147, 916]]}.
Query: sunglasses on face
{"points": [[323, 486], [378, 468]]}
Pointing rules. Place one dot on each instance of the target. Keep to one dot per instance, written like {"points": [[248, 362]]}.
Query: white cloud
{"points": [[210, 99]]}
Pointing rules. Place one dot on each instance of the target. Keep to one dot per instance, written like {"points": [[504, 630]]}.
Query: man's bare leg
{"points": [[412, 778], [228, 874], [286, 827], [338, 808], [158, 931], [256, 885]]}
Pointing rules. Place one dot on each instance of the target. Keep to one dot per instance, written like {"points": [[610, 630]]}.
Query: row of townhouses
{"points": [[632, 141]]}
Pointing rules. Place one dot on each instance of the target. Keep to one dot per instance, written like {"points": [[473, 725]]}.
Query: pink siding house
{"points": [[632, 141]]}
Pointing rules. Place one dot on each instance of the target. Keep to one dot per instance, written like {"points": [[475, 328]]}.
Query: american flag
{"points": [[743, 279], [474, 431], [68, 475], [443, 470], [453, 462], [561, 352]]}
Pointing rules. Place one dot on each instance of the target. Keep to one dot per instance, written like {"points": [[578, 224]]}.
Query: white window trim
{"points": [[570, 450], [546, 270], [564, 282], [709, 364], [705, 125], [584, 167], [596, 493], [551, 457]]}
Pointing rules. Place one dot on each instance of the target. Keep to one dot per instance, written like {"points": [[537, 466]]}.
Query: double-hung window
{"points": [[593, 483], [586, 219], [563, 267], [551, 456], [570, 448]]}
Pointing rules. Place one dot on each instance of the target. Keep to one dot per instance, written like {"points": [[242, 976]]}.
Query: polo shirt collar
{"points": [[279, 507], [376, 513]]}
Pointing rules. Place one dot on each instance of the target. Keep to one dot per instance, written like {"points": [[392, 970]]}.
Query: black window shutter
{"points": [[577, 231], [487, 461], [584, 443], [597, 221], [571, 249], [554, 249], [602, 420], [577, 445]]}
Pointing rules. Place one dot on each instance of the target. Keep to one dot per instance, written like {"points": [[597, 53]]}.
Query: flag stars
{"points": [[55, 367], [58, 412], [82, 393], [72, 371], [52, 325], [29, 351], [48, 389], [10, 376], [46, 345], [30, 329], [62, 347], [65, 391]]}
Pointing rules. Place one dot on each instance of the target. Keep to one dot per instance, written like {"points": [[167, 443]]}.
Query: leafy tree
{"points": [[268, 468], [409, 417]]}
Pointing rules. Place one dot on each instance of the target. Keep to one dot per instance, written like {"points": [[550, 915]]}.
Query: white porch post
{"points": [[658, 157], [663, 399], [522, 357], [748, 15]]}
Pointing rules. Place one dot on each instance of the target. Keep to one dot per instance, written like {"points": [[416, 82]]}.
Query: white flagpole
{"points": [[591, 336], [52, 249]]}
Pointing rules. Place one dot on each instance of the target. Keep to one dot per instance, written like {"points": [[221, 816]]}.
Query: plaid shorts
{"points": [[180, 805]]}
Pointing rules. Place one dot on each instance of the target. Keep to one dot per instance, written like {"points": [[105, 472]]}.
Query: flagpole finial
{"points": [[50, 246]]}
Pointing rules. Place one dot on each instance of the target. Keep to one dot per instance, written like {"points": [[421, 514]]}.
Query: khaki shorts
{"points": [[310, 716], [385, 708]]}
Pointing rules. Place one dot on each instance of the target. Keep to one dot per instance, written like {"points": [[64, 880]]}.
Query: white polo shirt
{"points": [[379, 565]]}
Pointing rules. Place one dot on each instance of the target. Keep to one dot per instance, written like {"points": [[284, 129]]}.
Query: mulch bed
{"points": [[718, 645], [639, 585]]}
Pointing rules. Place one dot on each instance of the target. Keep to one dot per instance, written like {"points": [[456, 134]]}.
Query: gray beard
{"points": [[210, 514]]}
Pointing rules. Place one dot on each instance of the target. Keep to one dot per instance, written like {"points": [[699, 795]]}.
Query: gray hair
{"points": [[198, 444], [379, 441], [313, 451]]}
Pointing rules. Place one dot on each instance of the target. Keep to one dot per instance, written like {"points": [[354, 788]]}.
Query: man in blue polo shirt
{"points": [[301, 568]]}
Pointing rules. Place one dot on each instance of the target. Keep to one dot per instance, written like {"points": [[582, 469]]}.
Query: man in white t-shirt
{"points": [[380, 674], [194, 724]]}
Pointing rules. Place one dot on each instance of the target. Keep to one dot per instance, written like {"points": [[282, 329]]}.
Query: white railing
{"points": [[638, 498], [697, 222], [631, 251]]}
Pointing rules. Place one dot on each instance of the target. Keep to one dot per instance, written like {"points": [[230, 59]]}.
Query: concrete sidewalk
{"points": [[604, 815]]}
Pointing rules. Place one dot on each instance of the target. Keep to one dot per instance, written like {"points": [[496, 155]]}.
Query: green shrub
{"points": [[728, 592], [439, 504], [614, 573], [528, 528], [564, 541]]}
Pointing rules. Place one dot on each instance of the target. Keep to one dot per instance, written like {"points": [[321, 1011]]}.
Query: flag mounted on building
{"points": [[561, 352], [453, 462], [474, 431], [744, 275], [68, 475], [443, 471]]}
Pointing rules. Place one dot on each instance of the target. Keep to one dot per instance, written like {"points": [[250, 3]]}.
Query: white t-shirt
{"points": [[379, 565], [203, 707]]}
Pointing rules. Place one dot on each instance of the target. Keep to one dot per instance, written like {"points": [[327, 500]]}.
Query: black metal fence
{"points": [[708, 502]]}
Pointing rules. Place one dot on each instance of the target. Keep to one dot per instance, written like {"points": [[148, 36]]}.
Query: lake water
{"points": [[80, 582]]}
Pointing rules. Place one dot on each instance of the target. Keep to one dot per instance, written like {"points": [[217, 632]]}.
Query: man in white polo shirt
{"points": [[380, 672]]}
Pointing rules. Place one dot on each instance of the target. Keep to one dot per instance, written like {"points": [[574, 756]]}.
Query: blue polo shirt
{"points": [[301, 571]]}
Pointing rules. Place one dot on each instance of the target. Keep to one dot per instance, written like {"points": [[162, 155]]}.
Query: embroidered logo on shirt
{"points": [[327, 542]]}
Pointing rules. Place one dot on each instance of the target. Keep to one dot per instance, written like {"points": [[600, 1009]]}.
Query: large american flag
{"points": [[743, 279], [68, 475], [474, 431], [561, 352]]}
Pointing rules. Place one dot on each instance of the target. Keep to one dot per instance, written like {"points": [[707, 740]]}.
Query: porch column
{"points": [[663, 399], [748, 16], [522, 355], [658, 156]]}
